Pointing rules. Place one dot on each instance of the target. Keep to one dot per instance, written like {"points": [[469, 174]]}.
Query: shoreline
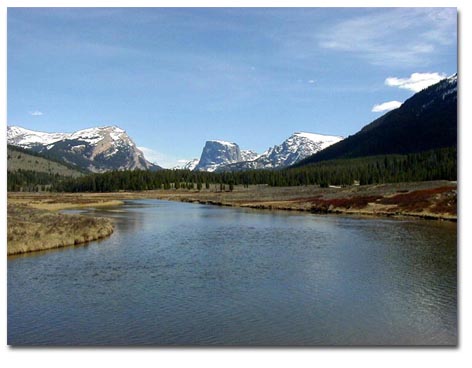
{"points": [[343, 212], [436, 200], [31, 229], [35, 222]]}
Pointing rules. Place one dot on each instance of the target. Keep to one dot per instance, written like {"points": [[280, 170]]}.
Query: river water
{"points": [[189, 274]]}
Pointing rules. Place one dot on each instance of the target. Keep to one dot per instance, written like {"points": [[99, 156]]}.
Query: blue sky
{"points": [[174, 78]]}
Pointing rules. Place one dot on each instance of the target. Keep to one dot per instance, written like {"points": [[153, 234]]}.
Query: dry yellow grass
{"points": [[56, 201], [31, 229]]}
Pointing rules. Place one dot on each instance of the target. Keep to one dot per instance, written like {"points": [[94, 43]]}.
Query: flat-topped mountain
{"points": [[217, 153]]}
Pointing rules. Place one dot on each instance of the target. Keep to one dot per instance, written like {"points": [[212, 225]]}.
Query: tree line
{"points": [[439, 164], [31, 181]]}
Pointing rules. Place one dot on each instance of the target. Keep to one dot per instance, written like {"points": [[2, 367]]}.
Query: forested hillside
{"points": [[426, 121]]}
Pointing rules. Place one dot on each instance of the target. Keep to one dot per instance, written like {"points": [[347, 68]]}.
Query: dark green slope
{"points": [[427, 120]]}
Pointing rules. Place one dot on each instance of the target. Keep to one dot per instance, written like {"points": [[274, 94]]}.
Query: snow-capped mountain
{"points": [[189, 165], [295, 148], [248, 155], [218, 153], [95, 149]]}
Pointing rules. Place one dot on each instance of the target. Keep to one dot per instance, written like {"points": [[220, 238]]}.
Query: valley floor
{"points": [[34, 223]]}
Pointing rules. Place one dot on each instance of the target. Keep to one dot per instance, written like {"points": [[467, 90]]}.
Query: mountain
{"points": [[218, 153], [295, 148], [96, 149], [248, 155], [427, 120], [214, 163], [189, 165], [227, 156]]}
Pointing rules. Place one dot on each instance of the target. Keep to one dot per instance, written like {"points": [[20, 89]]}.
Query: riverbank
{"points": [[32, 229], [428, 200], [34, 223], [61, 201]]}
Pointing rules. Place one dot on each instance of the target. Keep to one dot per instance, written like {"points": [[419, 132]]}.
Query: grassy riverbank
{"points": [[31, 229]]}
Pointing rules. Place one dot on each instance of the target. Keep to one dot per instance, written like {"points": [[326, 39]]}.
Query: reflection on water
{"points": [[176, 273]]}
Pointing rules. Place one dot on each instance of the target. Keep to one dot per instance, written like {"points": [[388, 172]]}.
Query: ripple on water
{"points": [[176, 273]]}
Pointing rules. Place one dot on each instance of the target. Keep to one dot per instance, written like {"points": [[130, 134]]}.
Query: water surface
{"points": [[178, 273]]}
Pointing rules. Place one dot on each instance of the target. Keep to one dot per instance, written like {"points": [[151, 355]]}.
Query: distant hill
{"points": [[23, 159], [32, 171], [427, 120]]}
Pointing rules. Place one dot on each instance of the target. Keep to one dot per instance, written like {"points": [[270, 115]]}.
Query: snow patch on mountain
{"points": [[189, 165], [248, 155], [26, 138]]}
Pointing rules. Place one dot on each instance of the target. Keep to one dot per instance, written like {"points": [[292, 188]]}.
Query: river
{"points": [[190, 274]]}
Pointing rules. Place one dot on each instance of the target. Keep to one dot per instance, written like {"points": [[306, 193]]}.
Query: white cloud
{"points": [[311, 81], [386, 106], [162, 159], [394, 36], [36, 113], [416, 82]]}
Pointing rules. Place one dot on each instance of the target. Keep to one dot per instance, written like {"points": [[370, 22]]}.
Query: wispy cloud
{"points": [[416, 82], [36, 113], [386, 106], [407, 36]]}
